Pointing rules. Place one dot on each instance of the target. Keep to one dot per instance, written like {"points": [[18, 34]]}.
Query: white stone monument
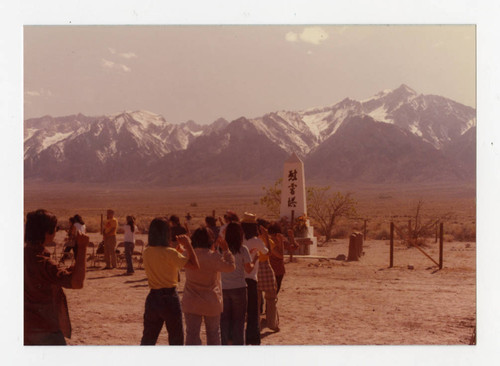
{"points": [[293, 201]]}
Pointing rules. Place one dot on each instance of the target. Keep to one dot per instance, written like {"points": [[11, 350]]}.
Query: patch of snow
{"points": [[119, 122], [197, 133], [54, 139], [379, 95], [415, 129], [100, 156], [432, 135], [29, 133], [146, 118], [470, 123], [380, 114], [316, 122]]}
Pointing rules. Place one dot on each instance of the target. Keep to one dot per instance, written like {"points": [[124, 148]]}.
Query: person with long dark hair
{"points": [[162, 264], [255, 246], [129, 230], [202, 299], [234, 290], [46, 315], [79, 224]]}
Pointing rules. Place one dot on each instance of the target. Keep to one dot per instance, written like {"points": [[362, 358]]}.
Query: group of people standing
{"points": [[230, 272]]}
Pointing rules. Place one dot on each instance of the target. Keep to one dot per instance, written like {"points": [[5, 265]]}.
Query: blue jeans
{"points": [[163, 306], [193, 326], [232, 320], [129, 250], [253, 327]]}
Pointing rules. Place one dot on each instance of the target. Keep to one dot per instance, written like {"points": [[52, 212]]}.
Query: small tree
{"points": [[326, 207], [272, 197], [419, 228]]}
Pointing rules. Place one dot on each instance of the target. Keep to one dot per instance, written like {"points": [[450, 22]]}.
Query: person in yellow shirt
{"points": [[109, 237], [162, 264]]}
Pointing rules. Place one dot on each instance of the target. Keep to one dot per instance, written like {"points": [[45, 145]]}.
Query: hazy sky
{"points": [[206, 72]]}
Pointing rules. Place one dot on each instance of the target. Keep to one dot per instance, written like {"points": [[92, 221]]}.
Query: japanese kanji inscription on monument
{"points": [[293, 198]]}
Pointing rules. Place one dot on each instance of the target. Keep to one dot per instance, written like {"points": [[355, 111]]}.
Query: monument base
{"points": [[308, 245]]}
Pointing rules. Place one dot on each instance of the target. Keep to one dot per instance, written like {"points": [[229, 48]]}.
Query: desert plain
{"points": [[324, 300]]}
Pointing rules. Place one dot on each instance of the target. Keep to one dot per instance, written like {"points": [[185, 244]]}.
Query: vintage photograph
{"points": [[269, 185]]}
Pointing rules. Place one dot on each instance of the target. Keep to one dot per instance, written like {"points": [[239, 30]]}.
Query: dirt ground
{"points": [[323, 301]]}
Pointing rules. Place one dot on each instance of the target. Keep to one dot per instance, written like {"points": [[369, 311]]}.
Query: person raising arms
{"points": [[162, 264], [46, 315]]}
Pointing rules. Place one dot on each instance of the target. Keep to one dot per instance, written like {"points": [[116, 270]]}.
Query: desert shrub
{"points": [[464, 232], [448, 238], [93, 227], [382, 234], [193, 204], [340, 232]]}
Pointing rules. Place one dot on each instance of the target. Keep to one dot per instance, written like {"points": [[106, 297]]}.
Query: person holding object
{"points": [[46, 315], [202, 299], [109, 237], [162, 264]]}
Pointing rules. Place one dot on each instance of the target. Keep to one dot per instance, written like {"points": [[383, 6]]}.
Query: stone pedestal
{"points": [[308, 243]]}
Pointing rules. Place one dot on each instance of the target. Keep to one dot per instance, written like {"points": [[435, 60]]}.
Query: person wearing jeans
{"points": [[202, 299], [163, 306], [233, 317], [234, 291], [255, 246], [162, 264]]}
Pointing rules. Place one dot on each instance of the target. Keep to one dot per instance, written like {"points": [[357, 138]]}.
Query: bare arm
{"points": [[192, 262], [227, 264], [81, 261], [250, 266]]}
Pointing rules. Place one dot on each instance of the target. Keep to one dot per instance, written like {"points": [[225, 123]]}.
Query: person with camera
{"points": [[46, 315]]}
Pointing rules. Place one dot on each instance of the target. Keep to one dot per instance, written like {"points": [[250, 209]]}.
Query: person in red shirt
{"points": [[46, 316]]}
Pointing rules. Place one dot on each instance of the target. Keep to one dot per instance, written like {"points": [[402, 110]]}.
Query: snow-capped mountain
{"points": [[427, 136], [435, 119]]}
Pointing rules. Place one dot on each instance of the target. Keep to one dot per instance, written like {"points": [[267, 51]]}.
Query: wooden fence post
{"points": [[441, 246], [409, 232], [101, 223], [437, 231], [391, 256], [364, 231]]}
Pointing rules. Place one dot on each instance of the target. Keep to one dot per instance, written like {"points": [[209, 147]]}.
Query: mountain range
{"points": [[396, 136]]}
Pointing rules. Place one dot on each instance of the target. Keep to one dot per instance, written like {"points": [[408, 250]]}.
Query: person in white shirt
{"points": [[129, 238], [255, 246], [79, 224]]}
